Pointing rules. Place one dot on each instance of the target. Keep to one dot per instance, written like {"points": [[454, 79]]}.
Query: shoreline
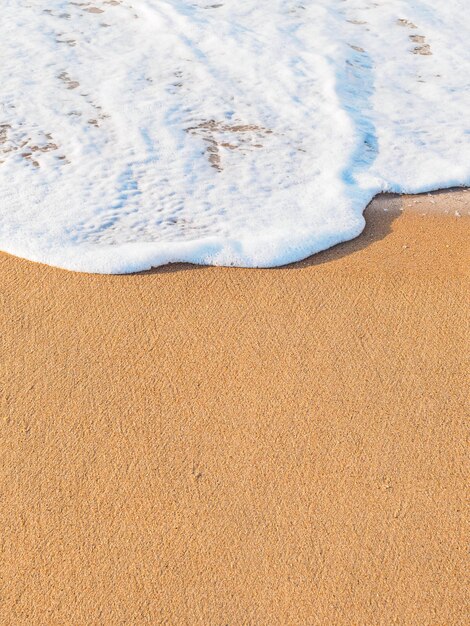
{"points": [[210, 445], [454, 197]]}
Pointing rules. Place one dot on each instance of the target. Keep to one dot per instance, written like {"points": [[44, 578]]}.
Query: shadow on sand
{"points": [[379, 215]]}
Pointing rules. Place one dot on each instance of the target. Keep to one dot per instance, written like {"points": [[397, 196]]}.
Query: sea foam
{"points": [[224, 132]]}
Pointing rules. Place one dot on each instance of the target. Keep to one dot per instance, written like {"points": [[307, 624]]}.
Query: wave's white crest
{"points": [[239, 132]]}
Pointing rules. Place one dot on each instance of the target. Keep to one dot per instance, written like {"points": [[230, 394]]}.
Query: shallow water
{"points": [[235, 133]]}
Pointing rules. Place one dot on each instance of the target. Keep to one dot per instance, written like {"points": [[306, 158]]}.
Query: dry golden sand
{"points": [[244, 447]]}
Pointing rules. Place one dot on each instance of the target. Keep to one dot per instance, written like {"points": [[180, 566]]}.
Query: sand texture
{"points": [[242, 447]]}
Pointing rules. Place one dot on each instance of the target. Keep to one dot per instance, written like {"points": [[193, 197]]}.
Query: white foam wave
{"points": [[238, 132]]}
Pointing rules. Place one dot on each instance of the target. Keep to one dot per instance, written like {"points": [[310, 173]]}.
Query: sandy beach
{"points": [[200, 445]]}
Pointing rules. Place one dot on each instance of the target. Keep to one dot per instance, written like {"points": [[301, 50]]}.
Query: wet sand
{"points": [[225, 446]]}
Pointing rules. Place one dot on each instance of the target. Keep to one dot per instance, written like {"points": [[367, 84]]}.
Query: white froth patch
{"points": [[142, 132]]}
